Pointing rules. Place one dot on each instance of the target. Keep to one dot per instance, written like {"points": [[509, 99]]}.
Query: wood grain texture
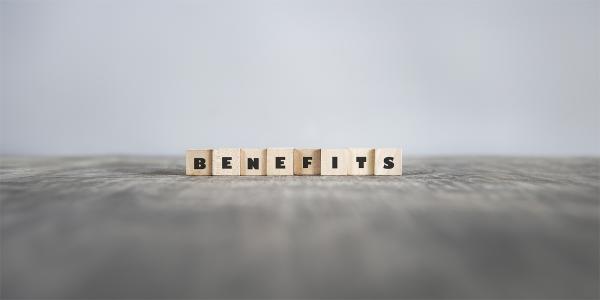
{"points": [[450, 227], [393, 166], [226, 161], [341, 162], [313, 161], [280, 161], [246, 168], [204, 166], [356, 167]]}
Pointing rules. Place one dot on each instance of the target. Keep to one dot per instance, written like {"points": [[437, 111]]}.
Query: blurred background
{"points": [[437, 77], [511, 77]]}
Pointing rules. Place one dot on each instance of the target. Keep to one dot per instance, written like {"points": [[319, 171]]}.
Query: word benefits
{"points": [[289, 161]]}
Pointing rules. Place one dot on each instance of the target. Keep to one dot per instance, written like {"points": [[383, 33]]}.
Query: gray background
{"points": [[436, 77]]}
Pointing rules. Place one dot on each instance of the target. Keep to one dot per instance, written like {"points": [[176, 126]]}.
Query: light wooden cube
{"points": [[388, 161], [198, 162], [253, 162], [226, 161], [280, 161], [334, 162], [307, 161], [361, 162]]}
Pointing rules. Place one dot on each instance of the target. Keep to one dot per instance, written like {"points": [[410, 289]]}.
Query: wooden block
{"points": [[253, 162], [280, 161], [334, 162], [226, 161], [198, 162], [307, 161], [361, 161], [388, 161]]}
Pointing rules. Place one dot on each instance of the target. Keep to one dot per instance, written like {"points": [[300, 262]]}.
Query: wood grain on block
{"points": [[280, 161], [253, 162], [307, 161], [361, 161], [388, 161], [226, 161], [198, 162], [334, 161]]}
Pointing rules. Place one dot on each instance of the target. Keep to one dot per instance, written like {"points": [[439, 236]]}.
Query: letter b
{"points": [[199, 163]]}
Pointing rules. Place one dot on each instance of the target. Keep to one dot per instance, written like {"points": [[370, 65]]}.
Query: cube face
{"points": [[226, 161], [280, 161], [307, 161], [253, 162], [334, 162], [198, 162], [289, 161], [388, 161], [361, 161]]}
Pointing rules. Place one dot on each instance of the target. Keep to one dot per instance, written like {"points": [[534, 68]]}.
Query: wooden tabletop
{"points": [[451, 227]]}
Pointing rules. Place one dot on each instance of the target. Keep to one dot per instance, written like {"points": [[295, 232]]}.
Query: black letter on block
{"points": [[361, 161], [279, 162], [199, 163], [252, 163], [388, 163], [334, 162], [306, 161], [226, 162]]}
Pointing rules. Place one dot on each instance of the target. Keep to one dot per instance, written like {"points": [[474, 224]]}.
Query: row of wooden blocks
{"points": [[290, 161]]}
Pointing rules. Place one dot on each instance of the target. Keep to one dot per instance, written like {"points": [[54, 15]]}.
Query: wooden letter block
{"points": [[226, 161], [280, 161], [334, 162], [253, 162], [388, 161], [361, 161], [198, 162], [307, 161]]}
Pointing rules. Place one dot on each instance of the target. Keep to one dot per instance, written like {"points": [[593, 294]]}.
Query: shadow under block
{"points": [[361, 161], [253, 162], [280, 161], [198, 162], [388, 161], [307, 161], [334, 162], [226, 161]]}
